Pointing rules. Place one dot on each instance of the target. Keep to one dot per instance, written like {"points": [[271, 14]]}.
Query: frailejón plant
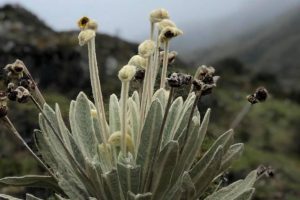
{"points": [[145, 147]]}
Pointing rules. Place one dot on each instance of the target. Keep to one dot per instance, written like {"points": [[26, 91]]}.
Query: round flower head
{"points": [[127, 73], [158, 14], [137, 61], [82, 22], [85, 36], [168, 33], [165, 23], [115, 140], [92, 24], [146, 48]]}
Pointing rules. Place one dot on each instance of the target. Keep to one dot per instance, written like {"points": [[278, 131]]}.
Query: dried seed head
{"points": [[85, 36], [171, 57], [127, 73], [82, 22], [168, 33], [138, 61], [115, 140], [159, 14], [146, 48], [165, 23], [261, 94], [179, 79], [22, 95], [15, 70], [205, 80]]}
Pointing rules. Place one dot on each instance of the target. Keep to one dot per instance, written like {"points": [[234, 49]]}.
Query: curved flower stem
{"points": [[96, 88], [6, 121], [165, 65], [124, 97], [237, 120]]}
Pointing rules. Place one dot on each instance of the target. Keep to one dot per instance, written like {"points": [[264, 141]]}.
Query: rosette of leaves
{"points": [[85, 168]]}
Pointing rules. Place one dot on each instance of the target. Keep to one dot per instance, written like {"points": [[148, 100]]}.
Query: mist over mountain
{"points": [[200, 34]]}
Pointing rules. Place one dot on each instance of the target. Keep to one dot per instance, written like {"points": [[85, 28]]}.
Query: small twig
{"points": [[165, 65], [237, 120], [6, 121]]}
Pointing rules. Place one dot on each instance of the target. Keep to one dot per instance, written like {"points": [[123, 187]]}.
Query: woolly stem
{"points": [[96, 88], [152, 31], [165, 65], [124, 97], [6, 121], [237, 120]]}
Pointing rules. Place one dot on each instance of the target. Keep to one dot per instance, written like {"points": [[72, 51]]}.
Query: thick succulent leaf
{"points": [[173, 190], [31, 181], [247, 195], [162, 95], [112, 185], [104, 157], [224, 140], [134, 120], [145, 196], [129, 178], [173, 115], [203, 178], [97, 125], [149, 138], [188, 186], [114, 114], [31, 197], [136, 98], [236, 189], [183, 119], [85, 134], [163, 169], [7, 197], [72, 190], [234, 152]]}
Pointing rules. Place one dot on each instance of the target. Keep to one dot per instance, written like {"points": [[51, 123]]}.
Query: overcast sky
{"points": [[129, 18]]}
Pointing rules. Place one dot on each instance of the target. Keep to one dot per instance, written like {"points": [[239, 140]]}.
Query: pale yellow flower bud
{"points": [[146, 48], [82, 22], [127, 73], [165, 23], [115, 140], [138, 61], [85, 36], [159, 14], [168, 33], [94, 113], [92, 24]]}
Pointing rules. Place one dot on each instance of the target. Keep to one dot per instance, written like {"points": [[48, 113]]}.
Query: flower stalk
{"points": [[165, 65]]}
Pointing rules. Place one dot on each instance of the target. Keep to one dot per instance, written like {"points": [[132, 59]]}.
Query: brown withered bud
{"points": [[22, 94], [171, 57], [15, 70], [261, 169], [179, 79], [139, 75], [27, 83], [3, 104], [205, 84], [261, 94]]}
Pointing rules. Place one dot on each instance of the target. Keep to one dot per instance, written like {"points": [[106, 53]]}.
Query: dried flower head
{"points": [[168, 33], [82, 22], [261, 94], [85, 36], [146, 48], [22, 94], [179, 79], [138, 61], [165, 23], [205, 80], [127, 73], [171, 57], [159, 14], [15, 70]]}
